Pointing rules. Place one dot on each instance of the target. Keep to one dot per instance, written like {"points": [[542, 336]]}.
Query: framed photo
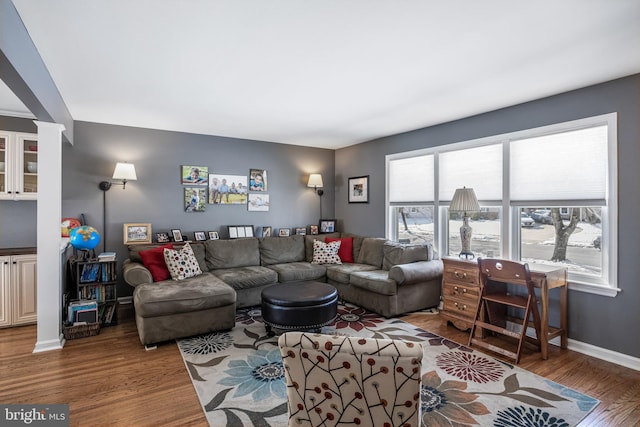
{"points": [[163, 237], [258, 202], [301, 231], [213, 235], [199, 236], [257, 180], [284, 232], [266, 231], [177, 235], [313, 229], [327, 225], [137, 233], [240, 231], [227, 189], [195, 199], [195, 175], [359, 189]]}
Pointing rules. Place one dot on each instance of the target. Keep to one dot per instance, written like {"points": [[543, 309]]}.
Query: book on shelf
{"points": [[89, 273], [107, 256], [80, 306]]}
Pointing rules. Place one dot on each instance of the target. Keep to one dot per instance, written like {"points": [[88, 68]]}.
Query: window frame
{"points": [[606, 284]]}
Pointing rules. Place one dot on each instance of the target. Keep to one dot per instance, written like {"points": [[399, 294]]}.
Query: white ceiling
{"points": [[322, 73]]}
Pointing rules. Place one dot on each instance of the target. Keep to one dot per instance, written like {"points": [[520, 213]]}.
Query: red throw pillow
{"points": [[153, 260], [346, 247]]}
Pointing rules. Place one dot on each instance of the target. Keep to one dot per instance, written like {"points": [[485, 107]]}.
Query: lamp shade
{"points": [[464, 200], [315, 180], [125, 172]]}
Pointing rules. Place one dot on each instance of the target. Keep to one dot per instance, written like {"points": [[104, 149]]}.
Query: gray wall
{"points": [[157, 196], [610, 323]]}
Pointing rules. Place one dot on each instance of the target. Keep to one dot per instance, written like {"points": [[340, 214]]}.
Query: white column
{"points": [[50, 273]]}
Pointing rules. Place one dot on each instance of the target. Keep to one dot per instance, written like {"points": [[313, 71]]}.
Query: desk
{"points": [[461, 293]]}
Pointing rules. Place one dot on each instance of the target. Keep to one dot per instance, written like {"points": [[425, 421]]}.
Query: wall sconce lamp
{"points": [[464, 200], [123, 172], [315, 181]]}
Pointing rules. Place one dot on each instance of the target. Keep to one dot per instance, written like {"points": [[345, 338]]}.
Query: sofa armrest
{"points": [[134, 273], [416, 272]]}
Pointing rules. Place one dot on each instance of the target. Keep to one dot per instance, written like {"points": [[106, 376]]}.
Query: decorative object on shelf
{"points": [[32, 167], [199, 236], [284, 232], [258, 202], [137, 233], [359, 189], [67, 225], [84, 238], [213, 235], [239, 231], [177, 235], [2, 166], [195, 199], [163, 237], [195, 175], [465, 201], [123, 172], [327, 225], [227, 189], [257, 180], [315, 181], [266, 231]]}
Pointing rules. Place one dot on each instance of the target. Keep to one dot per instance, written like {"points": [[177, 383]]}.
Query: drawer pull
{"points": [[460, 276], [460, 307], [456, 290]]}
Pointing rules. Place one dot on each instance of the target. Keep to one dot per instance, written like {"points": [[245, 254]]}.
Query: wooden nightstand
{"points": [[460, 292]]}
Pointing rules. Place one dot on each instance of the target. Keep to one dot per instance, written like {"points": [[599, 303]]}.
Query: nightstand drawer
{"points": [[460, 308], [461, 291], [469, 276]]}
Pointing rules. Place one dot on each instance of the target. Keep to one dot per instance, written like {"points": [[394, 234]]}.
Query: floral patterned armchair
{"points": [[338, 380]]}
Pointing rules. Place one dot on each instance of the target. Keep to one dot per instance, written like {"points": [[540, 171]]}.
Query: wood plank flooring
{"points": [[110, 380]]}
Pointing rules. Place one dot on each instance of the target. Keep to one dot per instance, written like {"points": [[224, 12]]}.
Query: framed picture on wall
{"points": [[227, 189], [258, 202], [257, 180], [327, 225], [359, 189], [137, 233], [195, 175], [195, 199]]}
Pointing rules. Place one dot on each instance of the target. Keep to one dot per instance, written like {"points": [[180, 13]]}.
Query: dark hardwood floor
{"points": [[110, 379]]}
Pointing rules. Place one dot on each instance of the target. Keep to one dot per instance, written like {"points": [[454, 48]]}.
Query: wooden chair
{"points": [[495, 299]]}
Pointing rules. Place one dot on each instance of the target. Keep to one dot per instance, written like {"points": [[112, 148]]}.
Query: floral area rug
{"points": [[239, 378]]}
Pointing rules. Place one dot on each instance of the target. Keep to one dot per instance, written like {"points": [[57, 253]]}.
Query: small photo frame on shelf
{"points": [[177, 235], [163, 237], [284, 232], [195, 175], [313, 229], [266, 231], [199, 236], [301, 231], [135, 233], [359, 189], [327, 225], [240, 231], [213, 235]]}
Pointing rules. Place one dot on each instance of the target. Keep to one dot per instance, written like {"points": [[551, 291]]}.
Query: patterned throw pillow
{"points": [[326, 253], [182, 263]]}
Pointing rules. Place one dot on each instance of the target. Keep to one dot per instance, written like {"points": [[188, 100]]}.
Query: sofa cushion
{"points": [[375, 281], [308, 243], [153, 260], [181, 263], [341, 272], [197, 247], [371, 251], [232, 253], [194, 294], [400, 253], [326, 253], [346, 247], [246, 277], [278, 250], [292, 271]]}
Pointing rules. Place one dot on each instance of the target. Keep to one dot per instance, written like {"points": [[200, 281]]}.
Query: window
{"points": [[547, 196]]}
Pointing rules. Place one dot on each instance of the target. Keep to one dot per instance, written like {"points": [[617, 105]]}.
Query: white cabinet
{"points": [[18, 290], [18, 166]]}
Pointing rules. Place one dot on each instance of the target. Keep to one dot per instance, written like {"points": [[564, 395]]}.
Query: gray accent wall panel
{"points": [[610, 323]]}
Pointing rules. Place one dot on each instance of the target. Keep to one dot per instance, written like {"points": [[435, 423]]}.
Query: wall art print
{"points": [[195, 175], [258, 180], [258, 202], [227, 189], [195, 199]]}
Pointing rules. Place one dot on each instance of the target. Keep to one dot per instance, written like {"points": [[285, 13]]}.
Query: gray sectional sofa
{"points": [[385, 277]]}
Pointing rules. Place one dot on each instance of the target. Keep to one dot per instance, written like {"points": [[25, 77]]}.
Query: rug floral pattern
{"points": [[239, 378]]}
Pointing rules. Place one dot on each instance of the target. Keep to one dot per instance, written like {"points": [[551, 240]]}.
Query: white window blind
{"points": [[563, 167], [479, 168], [411, 179]]}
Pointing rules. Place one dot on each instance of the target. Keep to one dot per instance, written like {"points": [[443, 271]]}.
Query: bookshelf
{"points": [[94, 279]]}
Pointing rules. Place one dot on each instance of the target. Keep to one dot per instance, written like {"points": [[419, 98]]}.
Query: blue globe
{"points": [[84, 237]]}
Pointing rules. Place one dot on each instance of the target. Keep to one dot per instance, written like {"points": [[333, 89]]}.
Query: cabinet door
{"points": [[4, 165], [24, 281], [5, 291], [26, 167]]}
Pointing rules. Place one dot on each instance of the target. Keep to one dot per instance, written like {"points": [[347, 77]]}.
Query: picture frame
{"points": [[199, 236], [240, 231], [163, 237], [313, 229], [177, 235], [266, 231], [284, 232], [258, 180], [358, 189], [213, 235], [136, 233], [258, 202], [194, 175], [301, 231], [227, 189], [327, 226], [195, 199]]}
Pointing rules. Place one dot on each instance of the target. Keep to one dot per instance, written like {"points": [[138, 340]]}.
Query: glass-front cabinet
{"points": [[18, 166]]}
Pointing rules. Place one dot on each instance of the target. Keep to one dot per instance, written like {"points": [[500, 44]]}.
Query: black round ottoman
{"points": [[299, 306]]}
